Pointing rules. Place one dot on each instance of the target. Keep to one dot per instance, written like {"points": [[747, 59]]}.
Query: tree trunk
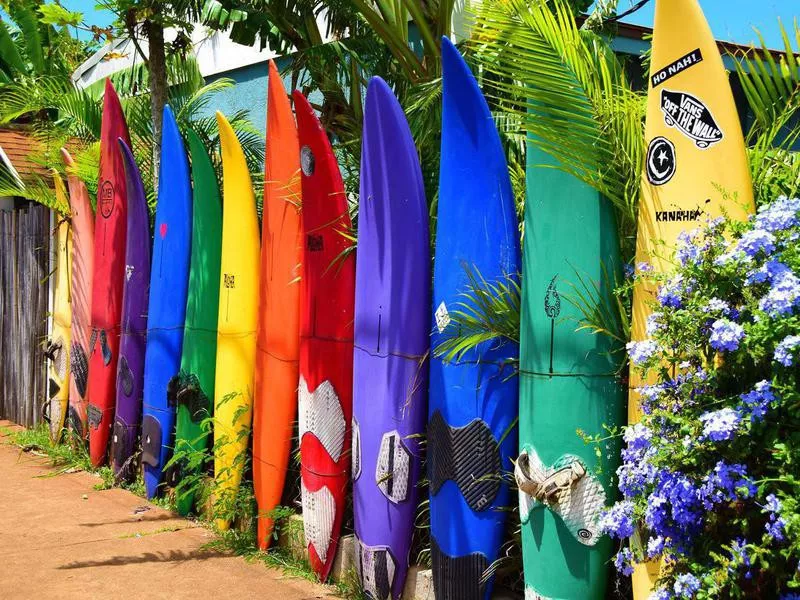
{"points": [[158, 88]]}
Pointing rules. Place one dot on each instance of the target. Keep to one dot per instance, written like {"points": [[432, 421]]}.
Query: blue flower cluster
{"points": [[740, 558], [672, 293], [783, 296], [755, 241], [721, 347], [641, 352], [779, 215], [726, 335], [686, 585], [775, 525], [758, 401], [720, 425], [785, 350]]}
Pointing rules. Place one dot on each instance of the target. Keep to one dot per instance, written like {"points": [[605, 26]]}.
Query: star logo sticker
{"points": [[660, 164]]}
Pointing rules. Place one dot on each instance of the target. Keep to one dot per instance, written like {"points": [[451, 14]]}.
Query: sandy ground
{"points": [[59, 538]]}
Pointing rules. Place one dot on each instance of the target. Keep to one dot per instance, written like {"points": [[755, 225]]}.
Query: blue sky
{"points": [[733, 20]]}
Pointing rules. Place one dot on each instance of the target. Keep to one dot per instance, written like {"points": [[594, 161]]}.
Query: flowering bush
{"points": [[710, 476]]}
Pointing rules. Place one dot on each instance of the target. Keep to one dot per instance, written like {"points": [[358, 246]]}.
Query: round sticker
{"points": [[660, 161], [106, 199], [307, 161]]}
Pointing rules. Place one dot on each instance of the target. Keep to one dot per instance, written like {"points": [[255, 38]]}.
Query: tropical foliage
{"points": [[63, 115], [570, 94], [31, 46]]}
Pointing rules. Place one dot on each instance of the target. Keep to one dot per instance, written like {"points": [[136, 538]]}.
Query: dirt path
{"points": [[54, 543]]}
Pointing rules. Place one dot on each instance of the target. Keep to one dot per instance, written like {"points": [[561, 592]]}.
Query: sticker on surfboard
{"points": [[660, 163], [442, 317], [678, 66], [691, 117]]}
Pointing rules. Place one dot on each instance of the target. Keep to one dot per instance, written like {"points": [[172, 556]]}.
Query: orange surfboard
{"points": [[275, 401]]}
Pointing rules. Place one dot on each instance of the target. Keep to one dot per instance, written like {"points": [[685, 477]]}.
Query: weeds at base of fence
{"points": [[67, 457]]}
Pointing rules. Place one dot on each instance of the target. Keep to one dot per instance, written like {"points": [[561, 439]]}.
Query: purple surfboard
{"points": [[130, 368], [390, 371]]}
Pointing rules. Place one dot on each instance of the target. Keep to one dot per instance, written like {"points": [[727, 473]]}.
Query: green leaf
{"points": [[55, 14]]}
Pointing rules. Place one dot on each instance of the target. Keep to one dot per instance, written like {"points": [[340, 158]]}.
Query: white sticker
{"points": [[442, 317]]}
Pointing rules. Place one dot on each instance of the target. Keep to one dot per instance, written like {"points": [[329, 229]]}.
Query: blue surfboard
{"points": [[169, 279], [473, 401]]}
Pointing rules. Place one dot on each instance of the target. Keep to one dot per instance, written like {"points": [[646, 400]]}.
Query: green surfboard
{"points": [[567, 382], [195, 384]]}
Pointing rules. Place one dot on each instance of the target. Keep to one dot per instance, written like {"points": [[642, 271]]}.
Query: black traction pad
{"points": [[125, 376], [105, 347], [174, 473], [94, 416], [467, 455], [52, 388], [122, 439], [173, 385], [79, 366], [75, 422], [151, 440], [187, 392], [457, 578], [373, 570]]}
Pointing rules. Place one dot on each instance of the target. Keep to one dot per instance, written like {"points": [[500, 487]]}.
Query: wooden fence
{"points": [[24, 248]]}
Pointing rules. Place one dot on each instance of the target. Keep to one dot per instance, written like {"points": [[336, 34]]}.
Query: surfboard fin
{"points": [[566, 488]]}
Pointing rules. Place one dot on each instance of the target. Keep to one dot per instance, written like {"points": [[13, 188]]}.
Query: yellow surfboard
{"points": [[236, 332], [59, 343], [695, 168]]}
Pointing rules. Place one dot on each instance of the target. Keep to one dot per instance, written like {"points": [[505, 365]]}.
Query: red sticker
{"points": [[163, 230]]}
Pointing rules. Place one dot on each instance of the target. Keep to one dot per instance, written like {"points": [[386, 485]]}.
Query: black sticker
{"points": [[106, 199], [680, 65], [314, 243], [230, 280], [552, 301], [691, 117], [307, 162], [660, 165], [678, 216]]}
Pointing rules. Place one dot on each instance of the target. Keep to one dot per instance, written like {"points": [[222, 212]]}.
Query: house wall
{"points": [[249, 93]]}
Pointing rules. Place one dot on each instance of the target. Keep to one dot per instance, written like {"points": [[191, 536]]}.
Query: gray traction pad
{"points": [[457, 578], [94, 416], [79, 366], [467, 455], [151, 440], [75, 422], [375, 568], [393, 468]]}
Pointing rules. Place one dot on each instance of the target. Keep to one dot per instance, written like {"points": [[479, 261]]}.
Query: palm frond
{"points": [[569, 92], [488, 311], [770, 85]]}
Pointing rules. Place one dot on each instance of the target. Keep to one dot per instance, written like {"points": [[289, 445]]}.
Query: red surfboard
{"points": [[327, 298], [109, 269]]}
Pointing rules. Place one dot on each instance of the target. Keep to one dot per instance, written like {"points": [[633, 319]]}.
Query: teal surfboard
{"points": [[568, 382]]}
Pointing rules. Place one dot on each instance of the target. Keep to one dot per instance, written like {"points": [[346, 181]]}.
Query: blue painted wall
{"points": [[249, 93]]}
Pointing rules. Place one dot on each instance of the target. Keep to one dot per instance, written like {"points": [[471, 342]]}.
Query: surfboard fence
{"points": [[24, 247]]}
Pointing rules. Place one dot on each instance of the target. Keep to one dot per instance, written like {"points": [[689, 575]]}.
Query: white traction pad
{"points": [[579, 505], [321, 415], [319, 512], [393, 468]]}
